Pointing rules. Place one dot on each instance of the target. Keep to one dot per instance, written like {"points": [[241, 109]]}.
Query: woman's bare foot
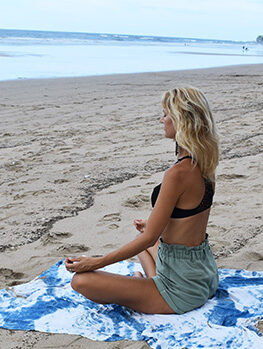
{"points": [[138, 274]]}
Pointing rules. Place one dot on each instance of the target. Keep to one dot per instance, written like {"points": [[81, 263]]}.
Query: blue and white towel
{"points": [[48, 304]]}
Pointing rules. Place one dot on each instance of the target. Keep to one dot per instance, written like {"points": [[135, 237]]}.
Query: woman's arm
{"points": [[132, 248], [170, 191]]}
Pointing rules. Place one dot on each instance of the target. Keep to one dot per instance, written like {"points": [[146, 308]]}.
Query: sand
{"points": [[80, 156]]}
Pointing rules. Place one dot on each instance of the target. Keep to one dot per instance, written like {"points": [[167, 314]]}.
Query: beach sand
{"points": [[80, 156]]}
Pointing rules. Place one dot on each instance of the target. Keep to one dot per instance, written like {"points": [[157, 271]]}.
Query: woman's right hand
{"points": [[140, 224]]}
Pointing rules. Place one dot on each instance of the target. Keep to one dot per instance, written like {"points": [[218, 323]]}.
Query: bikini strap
{"points": [[184, 157]]}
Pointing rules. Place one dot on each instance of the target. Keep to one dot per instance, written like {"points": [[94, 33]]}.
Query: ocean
{"points": [[26, 54]]}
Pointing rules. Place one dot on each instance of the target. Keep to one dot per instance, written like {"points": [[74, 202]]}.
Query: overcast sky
{"points": [[223, 19]]}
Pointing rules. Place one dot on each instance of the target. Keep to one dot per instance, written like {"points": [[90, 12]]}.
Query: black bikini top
{"points": [[182, 213]]}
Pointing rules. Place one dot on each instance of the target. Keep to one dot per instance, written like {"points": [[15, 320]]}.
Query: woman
{"points": [[172, 246]]}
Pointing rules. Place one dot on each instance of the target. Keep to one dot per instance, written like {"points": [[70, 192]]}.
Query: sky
{"points": [[205, 19]]}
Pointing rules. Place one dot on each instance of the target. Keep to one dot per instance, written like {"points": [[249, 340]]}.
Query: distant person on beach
{"points": [[173, 248]]}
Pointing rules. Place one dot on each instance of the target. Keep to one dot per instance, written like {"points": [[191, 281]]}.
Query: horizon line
{"points": [[136, 35]]}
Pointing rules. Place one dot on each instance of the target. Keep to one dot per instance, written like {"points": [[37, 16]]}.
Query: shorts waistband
{"points": [[182, 251]]}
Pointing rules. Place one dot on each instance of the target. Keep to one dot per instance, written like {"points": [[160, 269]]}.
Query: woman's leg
{"points": [[147, 259], [139, 294]]}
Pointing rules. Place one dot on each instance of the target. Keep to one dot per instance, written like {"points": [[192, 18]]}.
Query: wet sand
{"points": [[80, 156]]}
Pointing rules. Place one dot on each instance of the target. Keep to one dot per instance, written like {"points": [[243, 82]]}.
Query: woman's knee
{"points": [[80, 281], [76, 282]]}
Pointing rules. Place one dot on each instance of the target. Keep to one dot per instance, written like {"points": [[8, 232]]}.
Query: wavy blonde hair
{"points": [[195, 127]]}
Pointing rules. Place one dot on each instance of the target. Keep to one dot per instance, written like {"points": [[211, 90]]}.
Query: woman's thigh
{"points": [[139, 294]]}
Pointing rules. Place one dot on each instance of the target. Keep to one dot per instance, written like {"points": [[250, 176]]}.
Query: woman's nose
{"points": [[162, 119]]}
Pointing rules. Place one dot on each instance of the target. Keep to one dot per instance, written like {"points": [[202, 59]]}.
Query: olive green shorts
{"points": [[186, 277]]}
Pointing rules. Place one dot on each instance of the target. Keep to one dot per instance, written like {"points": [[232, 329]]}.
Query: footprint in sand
{"points": [[255, 256], [146, 191], [43, 191], [51, 238], [10, 277], [110, 246], [145, 176], [111, 217], [69, 249], [137, 201], [113, 226], [108, 218]]}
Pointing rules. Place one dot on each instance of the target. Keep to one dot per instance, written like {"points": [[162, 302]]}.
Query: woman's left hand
{"points": [[82, 264]]}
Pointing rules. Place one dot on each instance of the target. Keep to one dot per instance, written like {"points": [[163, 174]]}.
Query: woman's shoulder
{"points": [[184, 173], [176, 173], [182, 168], [173, 183]]}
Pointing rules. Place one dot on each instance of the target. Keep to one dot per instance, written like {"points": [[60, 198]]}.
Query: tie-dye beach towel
{"points": [[48, 304]]}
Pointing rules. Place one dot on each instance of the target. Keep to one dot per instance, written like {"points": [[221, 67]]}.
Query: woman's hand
{"points": [[82, 264], [140, 224]]}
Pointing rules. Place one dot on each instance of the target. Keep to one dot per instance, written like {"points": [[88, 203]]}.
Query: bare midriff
{"points": [[189, 231]]}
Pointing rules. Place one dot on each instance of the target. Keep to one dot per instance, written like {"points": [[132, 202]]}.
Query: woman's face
{"points": [[169, 130]]}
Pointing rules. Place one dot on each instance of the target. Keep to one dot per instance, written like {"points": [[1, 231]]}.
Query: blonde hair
{"points": [[195, 127]]}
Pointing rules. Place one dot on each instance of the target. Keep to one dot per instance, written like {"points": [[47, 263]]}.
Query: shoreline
{"points": [[136, 73], [69, 143]]}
